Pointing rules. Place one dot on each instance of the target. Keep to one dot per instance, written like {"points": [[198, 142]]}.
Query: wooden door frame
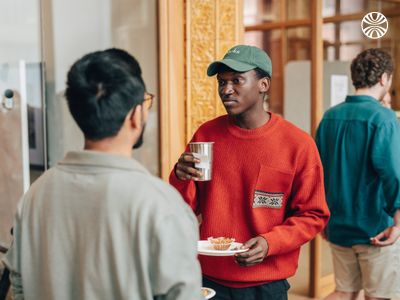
{"points": [[171, 36], [316, 89]]}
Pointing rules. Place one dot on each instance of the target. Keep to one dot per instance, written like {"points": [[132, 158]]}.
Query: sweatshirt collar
{"points": [[100, 159], [253, 133]]}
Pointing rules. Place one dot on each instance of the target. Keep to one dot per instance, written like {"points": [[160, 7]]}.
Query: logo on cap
{"points": [[374, 25], [234, 50]]}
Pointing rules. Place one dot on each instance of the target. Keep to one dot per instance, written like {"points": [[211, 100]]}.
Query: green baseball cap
{"points": [[243, 58]]}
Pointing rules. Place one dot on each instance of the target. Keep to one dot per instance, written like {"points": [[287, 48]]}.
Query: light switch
{"points": [[8, 100]]}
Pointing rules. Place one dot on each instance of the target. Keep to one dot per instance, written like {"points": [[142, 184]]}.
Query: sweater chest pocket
{"points": [[272, 188]]}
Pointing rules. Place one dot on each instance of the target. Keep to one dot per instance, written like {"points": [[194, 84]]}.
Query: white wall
{"points": [[19, 31], [80, 27]]}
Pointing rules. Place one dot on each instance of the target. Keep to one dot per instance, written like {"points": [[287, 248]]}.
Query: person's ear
{"points": [[384, 79], [135, 117], [264, 84]]}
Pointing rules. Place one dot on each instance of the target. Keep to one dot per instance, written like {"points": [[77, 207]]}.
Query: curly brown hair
{"points": [[368, 67]]}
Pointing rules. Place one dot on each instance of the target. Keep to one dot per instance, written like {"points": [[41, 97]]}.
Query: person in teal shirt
{"points": [[359, 144]]}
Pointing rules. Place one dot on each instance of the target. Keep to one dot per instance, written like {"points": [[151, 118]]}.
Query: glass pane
{"points": [[348, 52], [352, 40], [345, 7], [391, 43], [350, 32], [299, 43], [329, 33], [351, 7], [273, 46], [298, 9], [260, 11], [328, 8], [130, 25], [254, 38], [379, 5], [344, 40]]}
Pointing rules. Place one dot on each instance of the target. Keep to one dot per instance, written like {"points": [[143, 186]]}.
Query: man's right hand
{"points": [[185, 169], [387, 237]]}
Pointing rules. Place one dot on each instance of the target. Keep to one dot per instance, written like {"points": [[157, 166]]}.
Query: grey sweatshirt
{"points": [[99, 226]]}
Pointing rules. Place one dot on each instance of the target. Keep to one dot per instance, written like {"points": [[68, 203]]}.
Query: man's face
{"points": [[146, 105], [239, 92]]}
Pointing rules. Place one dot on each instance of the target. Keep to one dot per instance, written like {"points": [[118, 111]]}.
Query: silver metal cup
{"points": [[204, 152]]}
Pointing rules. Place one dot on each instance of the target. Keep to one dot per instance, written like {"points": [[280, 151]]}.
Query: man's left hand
{"points": [[258, 249], [387, 237]]}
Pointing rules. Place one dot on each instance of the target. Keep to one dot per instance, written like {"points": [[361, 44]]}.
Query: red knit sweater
{"points": [[266, 181]]}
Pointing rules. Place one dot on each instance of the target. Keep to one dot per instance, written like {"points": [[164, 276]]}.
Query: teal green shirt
{"points": [[359, 144]]}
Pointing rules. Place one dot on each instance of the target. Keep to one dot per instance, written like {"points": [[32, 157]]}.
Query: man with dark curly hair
{"points": [[359, 144]]}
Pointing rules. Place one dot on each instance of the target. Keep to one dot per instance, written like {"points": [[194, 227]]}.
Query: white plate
{"points": [[211, 292], [205, 248]]}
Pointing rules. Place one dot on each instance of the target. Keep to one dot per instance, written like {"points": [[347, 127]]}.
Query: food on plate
{"points": [[205, 292], [221, 243]]}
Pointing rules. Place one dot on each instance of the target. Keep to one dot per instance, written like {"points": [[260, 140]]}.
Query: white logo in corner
{"points": [[374, 25], [265, 199]]}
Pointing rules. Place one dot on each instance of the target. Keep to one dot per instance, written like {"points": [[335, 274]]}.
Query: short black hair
{"points": [[261, 73], [102, 87], [369, 66]]}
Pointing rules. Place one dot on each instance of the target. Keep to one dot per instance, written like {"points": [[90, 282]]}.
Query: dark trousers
{"points": [[4, 284], [276, 290]]}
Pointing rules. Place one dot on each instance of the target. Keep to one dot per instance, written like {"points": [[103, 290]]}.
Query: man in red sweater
{"points": [[267, 187]]}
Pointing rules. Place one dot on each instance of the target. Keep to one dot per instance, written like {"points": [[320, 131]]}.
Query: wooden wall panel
{"points": [[212, 27]]}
